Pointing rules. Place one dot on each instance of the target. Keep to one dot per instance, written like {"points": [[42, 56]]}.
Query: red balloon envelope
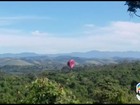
{"points": [[71, 63]]}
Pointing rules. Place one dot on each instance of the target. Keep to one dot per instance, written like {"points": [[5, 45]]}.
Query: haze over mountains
{"points": [[91, 57], [90, 54], [104, 54]]}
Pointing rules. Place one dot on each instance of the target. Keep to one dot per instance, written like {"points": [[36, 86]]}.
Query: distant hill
{"points": [[107, 54], [58, 62], [90, 54], [25, 54], [13, 61], [55, 61], [101, 54]]}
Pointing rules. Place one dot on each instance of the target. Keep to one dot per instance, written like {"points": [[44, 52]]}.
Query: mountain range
{"points": [[91, 57], [90, 54]]}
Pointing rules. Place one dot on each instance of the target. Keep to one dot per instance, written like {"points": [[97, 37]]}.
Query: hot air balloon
{"points": [[71, 63]]}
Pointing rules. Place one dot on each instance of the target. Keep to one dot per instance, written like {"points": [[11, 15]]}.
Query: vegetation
{"points": [[106, 84], [133, 6]]}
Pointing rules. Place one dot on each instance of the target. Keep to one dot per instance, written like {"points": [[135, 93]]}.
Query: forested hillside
{"points": [[114, 83]]}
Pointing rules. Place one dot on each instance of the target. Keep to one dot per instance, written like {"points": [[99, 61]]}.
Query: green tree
{"points": [[108, 91], [44, 91]]}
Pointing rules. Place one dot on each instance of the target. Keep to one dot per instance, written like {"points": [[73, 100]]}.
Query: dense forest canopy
{"points": [[89, 84]]}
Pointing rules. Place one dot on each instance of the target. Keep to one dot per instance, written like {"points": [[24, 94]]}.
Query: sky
{"points": [[50, 27]]}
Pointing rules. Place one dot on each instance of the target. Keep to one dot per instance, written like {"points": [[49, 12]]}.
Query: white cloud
{"points": [[14, 19], [117, 36], [89, 26], [39, 34], [24, 18]]}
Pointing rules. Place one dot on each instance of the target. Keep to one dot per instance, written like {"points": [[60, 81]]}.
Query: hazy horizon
{"points": [[69, 52]]}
